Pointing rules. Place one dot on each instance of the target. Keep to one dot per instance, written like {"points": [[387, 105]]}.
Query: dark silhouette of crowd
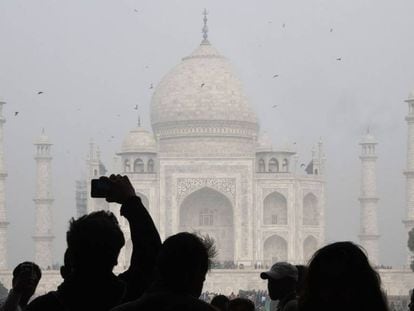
{"points": [[170, 275]]}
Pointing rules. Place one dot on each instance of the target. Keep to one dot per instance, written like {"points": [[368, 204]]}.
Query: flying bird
{"points": [[331, 30], [16, 113], [40, 92], [302, 165], [151, 86], [339, 59], [284, 25], [136, 107], [135, 10], [274, 106], [275, 76], [202, 84]]}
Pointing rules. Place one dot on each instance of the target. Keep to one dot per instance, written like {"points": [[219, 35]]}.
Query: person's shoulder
{"points": [[129, 306], [202, 305], [291, 305], [45, 302]]}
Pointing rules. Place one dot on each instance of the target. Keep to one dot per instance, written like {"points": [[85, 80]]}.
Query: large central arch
{"points": [[207, 211]]}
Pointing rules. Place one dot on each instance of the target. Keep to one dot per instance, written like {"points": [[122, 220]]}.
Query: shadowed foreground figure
{"points": [[340, 278], [282, 281], [411, 303], [182, 265], [241, 304], [26, 276], [302, 270], [94, 242], [220, 302]]}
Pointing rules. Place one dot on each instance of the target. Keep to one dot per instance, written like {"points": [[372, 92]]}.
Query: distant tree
{"points": [[411, 245], [3, 291]]}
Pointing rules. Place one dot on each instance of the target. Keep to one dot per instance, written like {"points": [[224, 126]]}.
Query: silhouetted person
{"points": [[94, 242], [26, 276], [340, 278], [241, 304], [281, 284], [220, 302], [182, 265], [411, 304], [66, 269], [301, 278]]}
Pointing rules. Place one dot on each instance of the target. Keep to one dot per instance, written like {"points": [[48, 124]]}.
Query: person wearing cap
{"points": [[281, 283]]}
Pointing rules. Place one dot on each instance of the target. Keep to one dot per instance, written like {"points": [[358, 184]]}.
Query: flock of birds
{"points": [[202, 85]]}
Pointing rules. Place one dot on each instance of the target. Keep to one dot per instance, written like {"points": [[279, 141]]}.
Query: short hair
{"points": [[94, 240], [221, 302], [21, 266], [241, 304], [184, 254]]}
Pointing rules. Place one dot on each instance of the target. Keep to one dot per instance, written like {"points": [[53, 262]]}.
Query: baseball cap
{"points": [[279, 271]]}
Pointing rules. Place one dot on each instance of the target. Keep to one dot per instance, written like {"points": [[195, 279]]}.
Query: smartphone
{"points": [[100, 188]]}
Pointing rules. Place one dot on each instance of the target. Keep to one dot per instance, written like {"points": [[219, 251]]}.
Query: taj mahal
{"points": [[207, 167]]}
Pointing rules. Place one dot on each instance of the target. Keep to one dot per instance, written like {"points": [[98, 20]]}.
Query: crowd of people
{"points": [[170, 275]]}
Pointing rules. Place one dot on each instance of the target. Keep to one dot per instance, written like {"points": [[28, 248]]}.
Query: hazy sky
{"points": [[95, 60]]}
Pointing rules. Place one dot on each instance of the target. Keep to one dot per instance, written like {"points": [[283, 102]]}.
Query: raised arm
{"points": [[146, 241]]}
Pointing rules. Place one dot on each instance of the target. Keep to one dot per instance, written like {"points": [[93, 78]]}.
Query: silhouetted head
{"points": [[281, 280], [94, 242], [241, 304], [183, 262], [26, 276], [220, 302], [340, 277], [302, 270], [66, 269]]}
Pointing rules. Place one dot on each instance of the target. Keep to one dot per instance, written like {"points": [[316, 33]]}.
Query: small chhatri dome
{"points": [[368, 138], [139, 140], [411, 95], [43, 139]]}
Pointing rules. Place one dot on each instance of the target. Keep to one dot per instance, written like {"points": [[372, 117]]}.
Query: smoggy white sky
{"points": [[95, 60]]}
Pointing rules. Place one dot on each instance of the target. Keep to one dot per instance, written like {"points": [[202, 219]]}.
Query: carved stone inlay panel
{"points": [[185, 186]]}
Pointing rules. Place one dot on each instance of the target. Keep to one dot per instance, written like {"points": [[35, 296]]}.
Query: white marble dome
{"points": [[138, 140], [203, 87]]}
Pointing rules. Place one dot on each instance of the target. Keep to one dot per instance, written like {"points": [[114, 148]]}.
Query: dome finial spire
{"points": [[205, 27], [139, 117]]}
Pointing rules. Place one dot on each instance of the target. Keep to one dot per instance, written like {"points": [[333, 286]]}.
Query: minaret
{"points": [[3, 217], [95, 170], [43, 237], [409, 175], [368, 236]]}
